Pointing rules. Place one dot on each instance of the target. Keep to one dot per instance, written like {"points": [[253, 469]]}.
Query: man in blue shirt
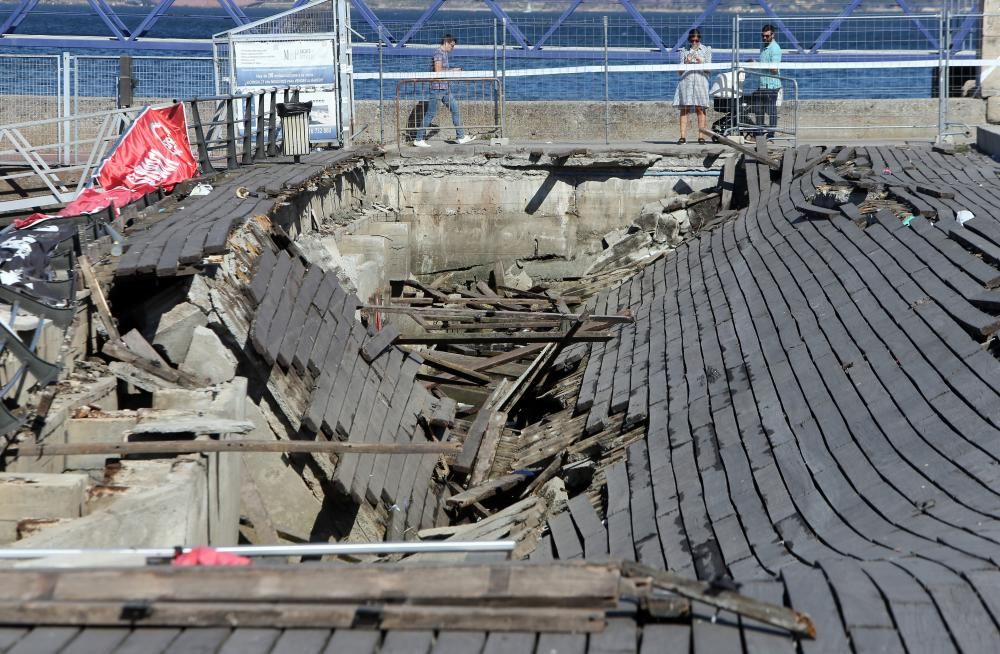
{"points": [[765, 99], [441, 90]]}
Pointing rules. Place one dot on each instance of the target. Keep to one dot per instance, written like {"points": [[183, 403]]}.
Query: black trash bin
{"points": [[294, 127]]}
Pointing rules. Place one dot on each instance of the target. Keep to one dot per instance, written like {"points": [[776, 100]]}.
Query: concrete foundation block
{"points": [[988, 139], [208, 357], [173, 334], [165, 502], [395, 246], [94, 430], [223, 401], [993, 109], [42, 495], [200, 294], [290, 505]]}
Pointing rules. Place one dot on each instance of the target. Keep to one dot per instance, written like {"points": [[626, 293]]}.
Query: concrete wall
{"points": [[466, 210], [657, 121]]}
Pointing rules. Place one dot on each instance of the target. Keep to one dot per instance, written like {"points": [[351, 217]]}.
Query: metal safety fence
{"points": [[890, 74], [854, 76], [224, 131], [472, 104]]}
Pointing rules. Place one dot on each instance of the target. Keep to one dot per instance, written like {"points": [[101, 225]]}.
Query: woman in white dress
{"points": [[692, 90]]}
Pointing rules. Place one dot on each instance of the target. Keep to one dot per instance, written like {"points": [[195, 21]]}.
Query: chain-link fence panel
{"points": [[32, 90], [860, 74]]}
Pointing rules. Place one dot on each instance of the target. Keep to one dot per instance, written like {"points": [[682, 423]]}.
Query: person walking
{"points": [[441, 90], [765, 99], [692, 90]]}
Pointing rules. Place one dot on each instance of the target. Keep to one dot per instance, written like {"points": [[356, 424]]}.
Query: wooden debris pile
{"points": [[509, 360]]}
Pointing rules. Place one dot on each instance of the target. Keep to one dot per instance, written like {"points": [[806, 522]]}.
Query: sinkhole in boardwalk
{"points": [[534, 216]]}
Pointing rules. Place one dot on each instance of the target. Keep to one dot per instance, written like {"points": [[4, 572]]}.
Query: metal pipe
{"points": [[309, 549], [117, 240]]}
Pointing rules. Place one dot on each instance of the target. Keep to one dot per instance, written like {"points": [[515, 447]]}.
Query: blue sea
{"points": [[579, 42]]}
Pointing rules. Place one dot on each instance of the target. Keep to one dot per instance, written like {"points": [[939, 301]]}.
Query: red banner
{"points": [[154, 153]]}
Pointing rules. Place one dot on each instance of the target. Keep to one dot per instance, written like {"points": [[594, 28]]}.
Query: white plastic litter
{"points": [[963, 217], [201, 189]]}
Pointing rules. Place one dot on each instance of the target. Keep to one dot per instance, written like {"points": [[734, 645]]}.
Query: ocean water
{"points": [[858, 38]]}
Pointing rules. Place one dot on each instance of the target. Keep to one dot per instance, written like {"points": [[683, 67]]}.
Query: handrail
{"points": [[230, 128]]}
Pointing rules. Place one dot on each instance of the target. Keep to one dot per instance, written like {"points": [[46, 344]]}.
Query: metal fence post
{"points": [[942, 74], [65, 137], [736, 75], [381, 91], [607, 91], [503, 84]]}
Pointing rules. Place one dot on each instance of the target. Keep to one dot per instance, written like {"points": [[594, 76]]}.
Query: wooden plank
{"points": [[354, 641], [199, 640], [117, 350], [100, 301], [778, 616], [191, 447], [728, 183], [301, 641], [135, 342], [47, 640], [483, 491], [470, 448], [96, 640], [773, 165], [452, 314], [380, 343], [494, 618], [296, 324], [565, 538], [501, 337], [248, 640], [488, 448], [148, 640], [580, 585], [459, 642]]}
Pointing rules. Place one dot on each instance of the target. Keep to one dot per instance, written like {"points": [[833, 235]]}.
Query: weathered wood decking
{"points": [[822, 405]]}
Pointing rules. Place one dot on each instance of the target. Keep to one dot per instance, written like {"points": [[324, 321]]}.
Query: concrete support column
{"points": [[990, 82]]}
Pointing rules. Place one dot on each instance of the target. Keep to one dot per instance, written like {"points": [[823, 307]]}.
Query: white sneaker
{"points": [[465, 139], [421, 144]]}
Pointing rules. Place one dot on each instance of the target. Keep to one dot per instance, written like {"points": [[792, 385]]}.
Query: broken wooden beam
{"points": [[777, 616], [514, 337], [435, 313], [166, 613], [202, 446], [379, 343], [773, 165], [488, 448], [460, 371], [559, 584], [470, 448], [100, 301], [484, 490], [117, 350]]}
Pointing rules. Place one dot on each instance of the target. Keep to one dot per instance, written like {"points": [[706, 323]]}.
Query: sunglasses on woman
{"points": [[694, 40]]}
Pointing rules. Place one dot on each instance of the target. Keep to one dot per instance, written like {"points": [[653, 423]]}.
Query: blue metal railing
{"points": [[123, 38]]}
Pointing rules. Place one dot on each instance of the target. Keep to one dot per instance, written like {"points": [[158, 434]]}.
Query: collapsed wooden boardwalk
{"points": [[819, 390], [822, 402]]}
